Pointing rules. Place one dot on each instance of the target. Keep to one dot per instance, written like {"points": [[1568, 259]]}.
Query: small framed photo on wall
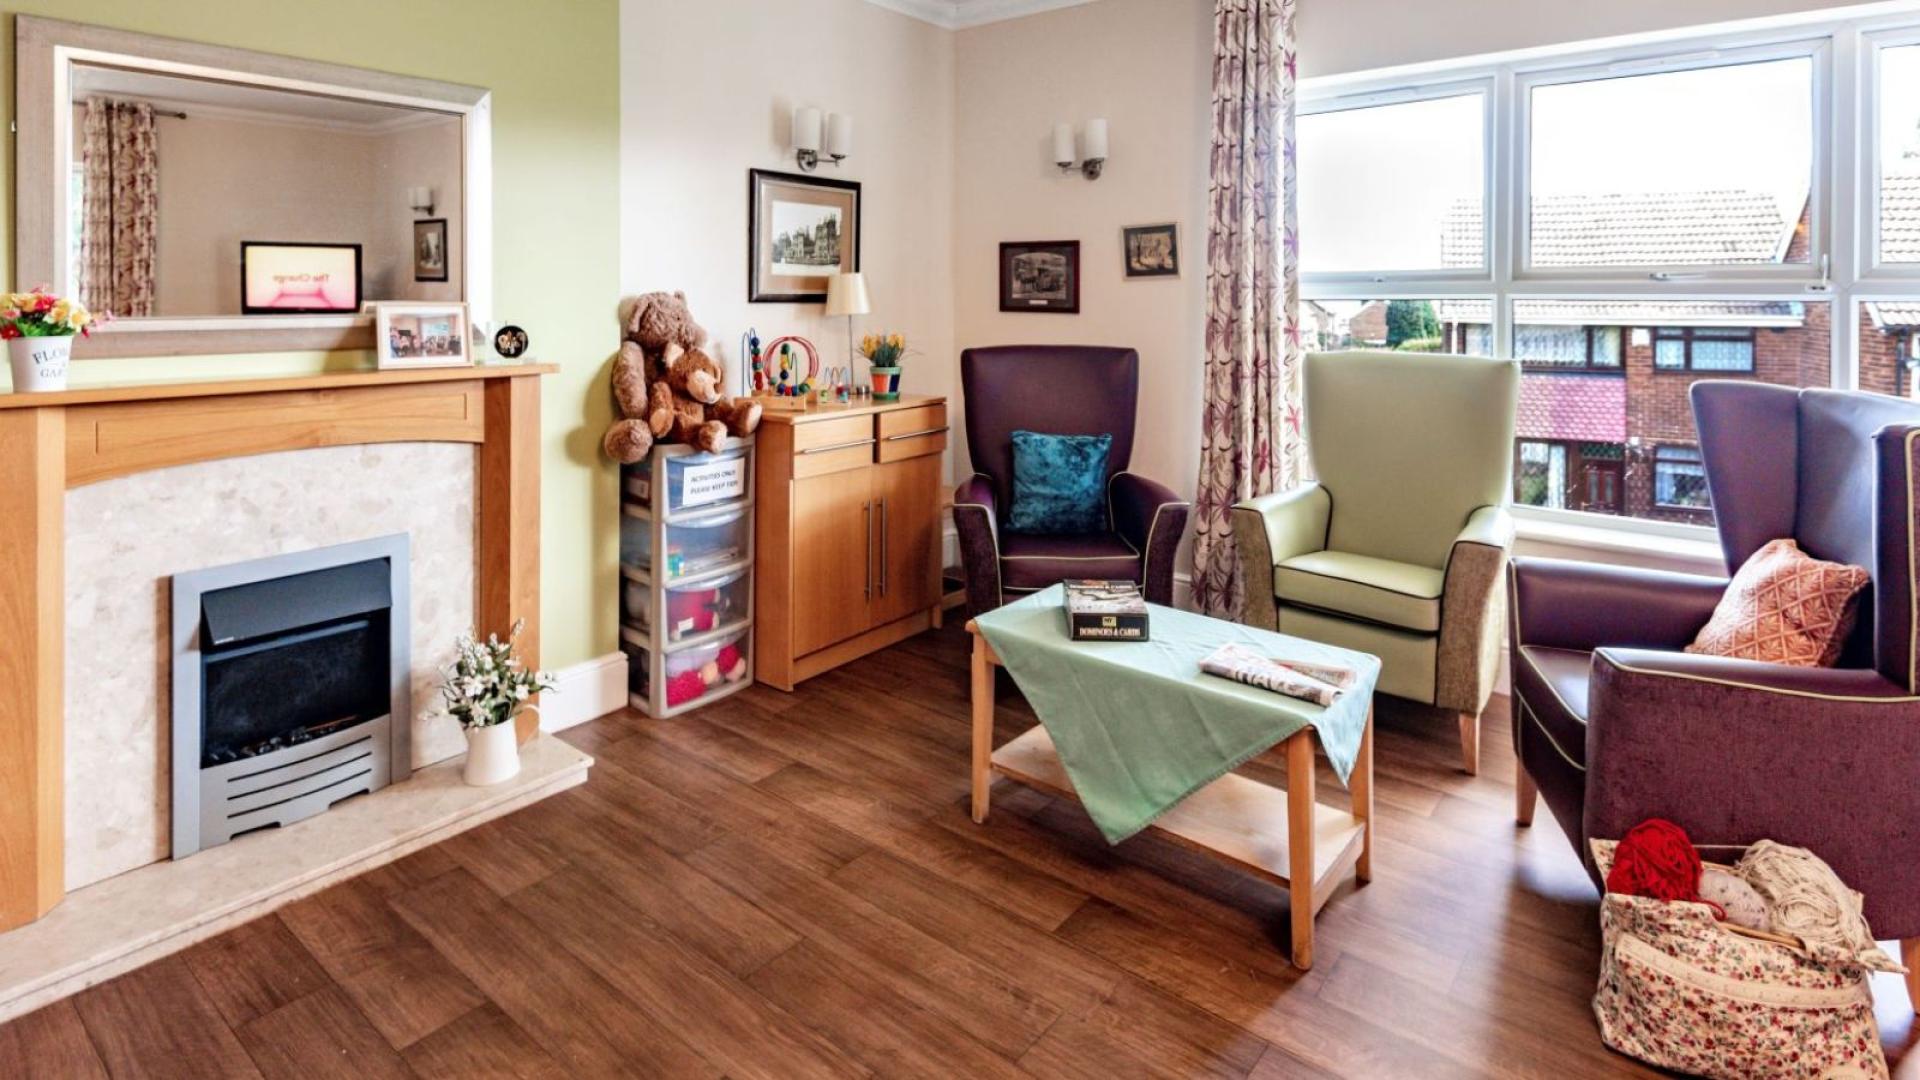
{"points": [[430, 249], [1040, 276], [1151, 251], [421, 335]]}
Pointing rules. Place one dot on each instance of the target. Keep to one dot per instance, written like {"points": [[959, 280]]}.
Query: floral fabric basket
{"points": [[1680, 990]]}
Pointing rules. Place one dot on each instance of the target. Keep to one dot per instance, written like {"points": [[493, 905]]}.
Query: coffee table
{"points": [[1285, 836]]}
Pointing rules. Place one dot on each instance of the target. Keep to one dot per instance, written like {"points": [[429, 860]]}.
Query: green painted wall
{"points": [[553, 68]]}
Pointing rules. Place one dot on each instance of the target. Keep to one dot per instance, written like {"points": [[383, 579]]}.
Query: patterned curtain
{"points": [[1250, 428], [119, 184]]}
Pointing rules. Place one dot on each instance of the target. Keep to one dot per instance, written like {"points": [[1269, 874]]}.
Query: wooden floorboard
{"points": [[789, 885]]}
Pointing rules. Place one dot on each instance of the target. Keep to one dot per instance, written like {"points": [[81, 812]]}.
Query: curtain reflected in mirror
{"points": [[196, 197]]}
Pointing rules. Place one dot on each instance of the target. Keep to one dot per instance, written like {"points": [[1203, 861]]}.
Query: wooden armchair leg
{"points": [[1525, 794], [1470, 743], [1910, 956]]}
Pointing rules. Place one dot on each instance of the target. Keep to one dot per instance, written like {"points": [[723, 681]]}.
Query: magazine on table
{"points": [[1105, 611], [1321, 684]]}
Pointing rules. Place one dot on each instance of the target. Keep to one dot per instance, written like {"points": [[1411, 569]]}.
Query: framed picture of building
{"points": [[801, 230], [1151, 250], [1040, 276]]}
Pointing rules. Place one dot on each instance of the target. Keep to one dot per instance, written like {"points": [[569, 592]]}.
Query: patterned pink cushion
{"points": [[1785, 607]]}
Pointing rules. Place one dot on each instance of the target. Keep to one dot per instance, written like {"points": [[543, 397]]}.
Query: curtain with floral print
{"points": [[1250, 427], [119, 192]]}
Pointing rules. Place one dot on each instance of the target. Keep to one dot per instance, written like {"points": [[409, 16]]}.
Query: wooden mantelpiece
{"points": [[52, 442]]}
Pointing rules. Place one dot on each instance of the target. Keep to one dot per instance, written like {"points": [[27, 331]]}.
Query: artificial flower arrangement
{"points": [[484, 688], [39, 329], [41, 314], [884, 352]]}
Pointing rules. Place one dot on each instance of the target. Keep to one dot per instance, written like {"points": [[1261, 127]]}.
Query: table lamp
{"points": [[847, 295]]}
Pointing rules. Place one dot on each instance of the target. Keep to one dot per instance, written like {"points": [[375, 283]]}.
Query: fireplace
{"points": [[290, 687]]}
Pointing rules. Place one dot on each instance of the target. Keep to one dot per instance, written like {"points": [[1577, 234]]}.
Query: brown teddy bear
{"points": [[666, 387]]}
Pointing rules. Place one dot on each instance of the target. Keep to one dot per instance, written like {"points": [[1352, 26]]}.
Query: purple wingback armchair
{"points": [[1615, 724], [1060, 390]]}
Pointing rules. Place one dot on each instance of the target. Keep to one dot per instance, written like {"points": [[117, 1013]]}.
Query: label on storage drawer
{"points": [[714, 482]]}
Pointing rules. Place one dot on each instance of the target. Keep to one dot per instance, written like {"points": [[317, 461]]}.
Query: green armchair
{"points": [[1400, 548]]}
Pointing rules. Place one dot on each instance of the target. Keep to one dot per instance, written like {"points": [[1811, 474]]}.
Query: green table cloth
{"points": [[1139, 727]]}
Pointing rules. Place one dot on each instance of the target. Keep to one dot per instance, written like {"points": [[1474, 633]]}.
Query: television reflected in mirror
{"points": [[299, 279]]}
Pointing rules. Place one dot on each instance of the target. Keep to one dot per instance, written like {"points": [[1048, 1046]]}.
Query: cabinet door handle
{"points": [[883, 547], [866, 518], [941, 430], [837, 446]]}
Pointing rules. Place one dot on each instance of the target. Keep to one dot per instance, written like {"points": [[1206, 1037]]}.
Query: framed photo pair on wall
{"points": [[801, 230]]}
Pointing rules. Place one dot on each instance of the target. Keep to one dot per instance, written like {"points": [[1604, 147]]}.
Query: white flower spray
{"points": [[486, 684]]}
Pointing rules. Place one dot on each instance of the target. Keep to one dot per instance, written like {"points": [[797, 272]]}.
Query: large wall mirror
{"points": [[220, 200]]}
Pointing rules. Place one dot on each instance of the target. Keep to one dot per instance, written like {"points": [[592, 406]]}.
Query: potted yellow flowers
{"points": [[38, 328], [884, 352]]}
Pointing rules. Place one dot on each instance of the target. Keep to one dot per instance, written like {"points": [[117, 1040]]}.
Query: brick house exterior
{"points": [[1605, 428]]}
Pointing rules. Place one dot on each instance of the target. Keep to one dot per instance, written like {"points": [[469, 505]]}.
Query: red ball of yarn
{"points": [[1656, 859]]}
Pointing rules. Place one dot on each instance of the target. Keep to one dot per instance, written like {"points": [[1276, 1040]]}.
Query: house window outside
{"points": [[1586, 347], [1680, 478], [1540, 478], [1716, 349]]}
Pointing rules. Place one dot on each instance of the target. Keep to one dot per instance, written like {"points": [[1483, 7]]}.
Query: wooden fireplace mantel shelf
{"points": [[202, 388], [51, 442]]}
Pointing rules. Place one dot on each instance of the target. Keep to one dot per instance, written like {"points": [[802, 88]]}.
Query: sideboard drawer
{"points": [[824, 446], [910, 433]]}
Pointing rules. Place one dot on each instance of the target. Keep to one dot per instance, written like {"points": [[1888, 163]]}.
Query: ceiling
{"points": [[243, 101], [959, 14]]}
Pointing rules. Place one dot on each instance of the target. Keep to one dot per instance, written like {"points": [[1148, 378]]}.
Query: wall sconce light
{"points": [[807, 131], [1095, 140], [421, 199]]}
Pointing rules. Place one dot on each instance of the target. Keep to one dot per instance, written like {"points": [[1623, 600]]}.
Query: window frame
{"points": [[1698, 459], [1618, 368], [1689, 334], [1842, 271]]}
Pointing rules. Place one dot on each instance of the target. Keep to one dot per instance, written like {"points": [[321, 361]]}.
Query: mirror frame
{"points": [[45, 51]]}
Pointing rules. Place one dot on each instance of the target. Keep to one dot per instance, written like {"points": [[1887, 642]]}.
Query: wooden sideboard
{"points": [[847, 537]]}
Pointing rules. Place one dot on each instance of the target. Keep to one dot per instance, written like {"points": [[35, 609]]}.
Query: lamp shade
{"points": [[847, 295], [806, 128]]}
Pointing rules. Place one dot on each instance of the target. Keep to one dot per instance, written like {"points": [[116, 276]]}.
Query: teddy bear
{"points": [[666, 386]]}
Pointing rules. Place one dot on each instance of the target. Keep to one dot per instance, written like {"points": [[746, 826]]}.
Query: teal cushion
{"points": [[1058, 483]]}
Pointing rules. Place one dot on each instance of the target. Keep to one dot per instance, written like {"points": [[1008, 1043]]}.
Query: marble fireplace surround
{"points": [[87, 469]]}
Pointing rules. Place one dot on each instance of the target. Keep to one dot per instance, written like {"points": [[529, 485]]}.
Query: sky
{"points": [[1376, 183]]}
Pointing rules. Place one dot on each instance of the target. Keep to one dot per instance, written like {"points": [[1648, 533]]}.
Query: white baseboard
{"points": [[585, 691]]}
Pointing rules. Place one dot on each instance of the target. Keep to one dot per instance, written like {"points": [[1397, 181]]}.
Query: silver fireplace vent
{"points": [[291, 687]]}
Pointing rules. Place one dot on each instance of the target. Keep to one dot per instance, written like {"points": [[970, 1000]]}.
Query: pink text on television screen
{"points": [[299, 277]]}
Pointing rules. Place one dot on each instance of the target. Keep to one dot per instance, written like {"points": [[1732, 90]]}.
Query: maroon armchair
{"points": [[1059, 390], [1614, 724]]}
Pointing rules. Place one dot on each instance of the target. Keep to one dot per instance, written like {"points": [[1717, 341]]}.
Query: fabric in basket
{"points": [[1679, 990]]}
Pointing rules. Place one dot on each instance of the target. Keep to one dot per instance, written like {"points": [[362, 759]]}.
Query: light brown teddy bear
{"points": [[666, 387]]}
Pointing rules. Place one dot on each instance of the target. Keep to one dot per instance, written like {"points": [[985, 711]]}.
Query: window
{"points": [[1680, 478], [1643, 214], [1358, 210], [1899, 109], [1700, 166], [1719, 349], [1403, 325]]}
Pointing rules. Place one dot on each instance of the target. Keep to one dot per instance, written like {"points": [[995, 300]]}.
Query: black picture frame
{"points": [[1138, 259], [248, 308], [431, 226], [764, 284], [1023, 286]]}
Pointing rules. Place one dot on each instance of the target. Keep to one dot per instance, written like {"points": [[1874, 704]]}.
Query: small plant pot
{"points": [[493, 754], [40, 363], [886, 383]]}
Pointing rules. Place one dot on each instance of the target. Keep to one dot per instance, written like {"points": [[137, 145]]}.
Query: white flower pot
{"points": [[40, 363], [493, 754]]}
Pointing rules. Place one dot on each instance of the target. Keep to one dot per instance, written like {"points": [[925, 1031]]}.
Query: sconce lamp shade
{"points": [[1063, 144], [420, 198], [1096, 140], [806, 128], [839, 135], [847, 295]]}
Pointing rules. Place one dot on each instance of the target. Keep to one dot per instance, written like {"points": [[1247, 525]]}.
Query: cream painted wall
{"points": [[707, 92], [554, 73], [1340, 36], [1016, 80]]}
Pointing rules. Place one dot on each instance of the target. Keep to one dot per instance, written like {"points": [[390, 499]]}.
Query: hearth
{"points": [[290, 687]]}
